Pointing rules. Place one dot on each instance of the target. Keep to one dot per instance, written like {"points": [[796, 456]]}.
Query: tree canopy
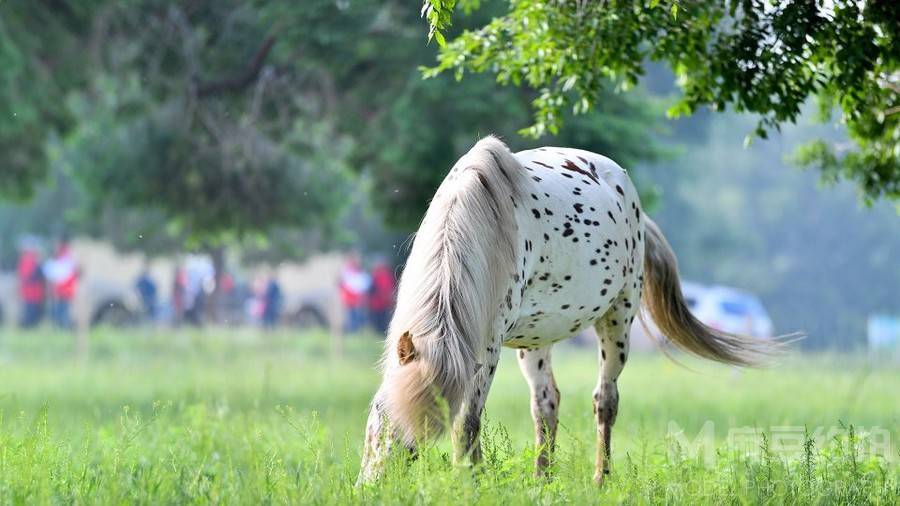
{"points": [[228, 118], [756, 56]]}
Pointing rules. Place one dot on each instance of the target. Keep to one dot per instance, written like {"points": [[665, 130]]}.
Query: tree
{"points": [[231, 119], [407, 131], [177, 113], [755, 56], [39, 67]]}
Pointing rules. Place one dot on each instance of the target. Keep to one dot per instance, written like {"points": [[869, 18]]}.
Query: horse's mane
{"points": [[462, 261]]}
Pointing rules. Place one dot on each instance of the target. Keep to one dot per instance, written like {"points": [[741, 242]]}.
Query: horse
{"points": [[522, 251]]}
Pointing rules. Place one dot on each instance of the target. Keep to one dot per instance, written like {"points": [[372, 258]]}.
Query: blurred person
{"points": [[146, 288], [62, 273], [31, 286], [199, 280], [354, 284], [179, 294], [271, 303], [195, 301], [381, 299], [256, 303], [193, 298], [223, 296], [226, 283]]}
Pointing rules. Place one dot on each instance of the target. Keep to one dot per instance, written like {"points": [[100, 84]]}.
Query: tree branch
{"points": [[238, 81]]}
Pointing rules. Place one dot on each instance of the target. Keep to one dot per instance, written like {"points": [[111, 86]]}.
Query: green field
{"points": [[247, 417]]}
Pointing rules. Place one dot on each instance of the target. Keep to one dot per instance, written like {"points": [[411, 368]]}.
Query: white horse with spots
{"points": [[524, 250]]}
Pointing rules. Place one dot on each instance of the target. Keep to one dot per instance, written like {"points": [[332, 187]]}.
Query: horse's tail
{"points": [[665, 303], [462, 258]]}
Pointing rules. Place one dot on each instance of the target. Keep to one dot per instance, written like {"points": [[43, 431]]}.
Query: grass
{"points": [[243, 417]]}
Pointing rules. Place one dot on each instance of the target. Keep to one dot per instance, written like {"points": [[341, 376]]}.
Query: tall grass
{"points": [[242, 417]]}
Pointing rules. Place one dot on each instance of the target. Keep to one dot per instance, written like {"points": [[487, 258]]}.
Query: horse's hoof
{"points": [[598, 479]]}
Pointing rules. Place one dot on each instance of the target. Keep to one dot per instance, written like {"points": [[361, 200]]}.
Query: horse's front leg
{"points": [[380, 438], [467, 424]]}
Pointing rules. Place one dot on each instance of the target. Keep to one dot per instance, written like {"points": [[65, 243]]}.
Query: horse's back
{"points": [[579, 222]]}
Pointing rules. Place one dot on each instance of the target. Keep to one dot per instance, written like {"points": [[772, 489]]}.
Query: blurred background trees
{"points": [[232, 117], [282, 128]]}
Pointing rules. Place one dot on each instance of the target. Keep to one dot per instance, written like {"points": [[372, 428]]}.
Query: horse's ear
{"points": [[405, 349]]}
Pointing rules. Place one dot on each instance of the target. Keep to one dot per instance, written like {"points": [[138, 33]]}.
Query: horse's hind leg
{"points": [[612, 331], [536, 367]]}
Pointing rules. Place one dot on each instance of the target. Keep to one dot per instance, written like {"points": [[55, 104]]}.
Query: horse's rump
{"points": [[462, 259]]}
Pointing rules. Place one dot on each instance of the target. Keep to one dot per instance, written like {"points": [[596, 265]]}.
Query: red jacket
{"points": [[382, 297], [65, 289], [354, 285], [62, 271], [31, 280]]}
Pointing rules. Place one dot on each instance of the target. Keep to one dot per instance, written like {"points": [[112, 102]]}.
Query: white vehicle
{"points": [[728, 309]]}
